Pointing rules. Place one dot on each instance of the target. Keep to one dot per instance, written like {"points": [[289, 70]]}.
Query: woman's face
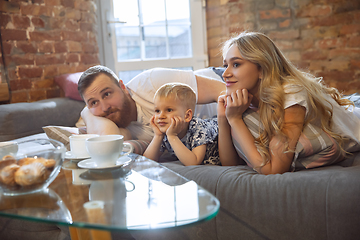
{"points": [[240, 73]]}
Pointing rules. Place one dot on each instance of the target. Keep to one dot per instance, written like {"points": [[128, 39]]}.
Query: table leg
{"points": [[88, 234]]}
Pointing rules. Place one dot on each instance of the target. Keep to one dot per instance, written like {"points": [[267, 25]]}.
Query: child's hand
{"points": [[154, 127], [176, 126], [237, 103]]}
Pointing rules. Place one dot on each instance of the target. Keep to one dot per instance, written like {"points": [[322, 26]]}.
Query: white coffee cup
{"points": [[106, 149], [8, 148], [77, 145]]}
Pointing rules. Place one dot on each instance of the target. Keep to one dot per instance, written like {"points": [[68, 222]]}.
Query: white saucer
{"points": [[90, 164], [69, 155]]}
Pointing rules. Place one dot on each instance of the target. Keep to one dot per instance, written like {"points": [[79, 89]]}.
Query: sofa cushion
{"points": [[69, 84], [23, 119]]}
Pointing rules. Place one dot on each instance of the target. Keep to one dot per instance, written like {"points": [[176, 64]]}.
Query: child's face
{"points": [[165, 109]]}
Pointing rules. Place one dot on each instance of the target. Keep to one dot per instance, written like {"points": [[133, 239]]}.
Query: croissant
{"points": [[7, 160], [48, 163], [7, 174], [30, 174]]}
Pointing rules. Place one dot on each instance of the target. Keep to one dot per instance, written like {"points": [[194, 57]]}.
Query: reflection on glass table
{"points": [[141, 196]]}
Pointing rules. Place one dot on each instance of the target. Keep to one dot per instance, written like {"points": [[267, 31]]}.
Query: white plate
{"points": [[90, 164], [70, 156]]}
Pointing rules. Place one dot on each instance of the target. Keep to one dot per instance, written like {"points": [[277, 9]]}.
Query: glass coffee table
{"points": [[142, 195]]}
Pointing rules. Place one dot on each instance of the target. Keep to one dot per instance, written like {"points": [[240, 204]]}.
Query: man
{"points": [[113, 108]]}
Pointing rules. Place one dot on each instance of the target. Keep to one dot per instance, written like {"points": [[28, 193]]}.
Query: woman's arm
{"points": [[227, 153], [280, 161]]}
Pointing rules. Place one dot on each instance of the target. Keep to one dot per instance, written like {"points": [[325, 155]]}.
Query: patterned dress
{"points": [[200, 132]]}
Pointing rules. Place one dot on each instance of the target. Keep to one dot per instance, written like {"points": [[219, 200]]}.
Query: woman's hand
{"points": [[176, 126], [155, 128], [237, 103]]}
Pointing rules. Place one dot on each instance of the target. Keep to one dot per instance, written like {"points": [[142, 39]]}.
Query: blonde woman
{"points": [[260, 79], [192, 140]]}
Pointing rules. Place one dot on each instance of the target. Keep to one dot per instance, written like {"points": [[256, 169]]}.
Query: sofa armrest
{"points": [[23, 119]]}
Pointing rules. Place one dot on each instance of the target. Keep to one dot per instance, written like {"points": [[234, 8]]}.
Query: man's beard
{"points": [[121, 116]]}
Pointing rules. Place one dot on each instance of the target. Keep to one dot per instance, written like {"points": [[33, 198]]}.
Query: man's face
{"points": [[106, 99]]}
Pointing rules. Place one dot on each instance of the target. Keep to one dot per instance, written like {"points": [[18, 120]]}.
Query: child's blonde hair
{"points": [[179, 91]]}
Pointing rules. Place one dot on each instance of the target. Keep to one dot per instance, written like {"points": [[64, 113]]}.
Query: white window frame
{"points": [[107, 45]]}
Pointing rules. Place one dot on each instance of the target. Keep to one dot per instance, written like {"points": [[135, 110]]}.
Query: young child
{"points": [[192, 140]]}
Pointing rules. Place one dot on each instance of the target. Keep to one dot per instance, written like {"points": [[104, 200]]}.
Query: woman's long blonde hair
{"points": [[277, 71]]}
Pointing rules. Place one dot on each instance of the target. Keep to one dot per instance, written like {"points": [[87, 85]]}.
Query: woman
{"points": [[259, 78]]}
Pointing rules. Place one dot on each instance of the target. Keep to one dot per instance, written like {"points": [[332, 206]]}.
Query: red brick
{"points": [[25, 47], [35, 10], [17, 97], [87, 27], [339, 76], [72, 58], [74, 36], [60, 47], [52, 3], [344, 53], [73, 14], [87, 6], [285, 23], [53, 93], [89, 59], [274, 14], [354, 41], [89, 48], [74, 46], [20, 84], [333, 20], [63, 69], [50, 71], [7, 47], [12, 73], [56, 23], [30, 72], [332, 43], [9, 7], [59, 12], [68, 3], [313, 55], [350, 29], [355, 64], [15, 60], [315, 11], [72, 25], [46, 35], [36, 95], [88, 17], [21, 22], [289, 34], [46, 47], [38, 22], [49, 59], [13, 34], [37, 1], [4, 19]]}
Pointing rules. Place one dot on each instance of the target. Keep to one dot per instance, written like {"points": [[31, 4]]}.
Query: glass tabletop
{"points": [[140, 196]]}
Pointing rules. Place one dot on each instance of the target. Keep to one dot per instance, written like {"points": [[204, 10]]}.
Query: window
{"points": [[140, 34]]}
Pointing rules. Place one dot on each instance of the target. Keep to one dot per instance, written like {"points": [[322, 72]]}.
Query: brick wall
{"points": [[319, 36], [43, 39]]}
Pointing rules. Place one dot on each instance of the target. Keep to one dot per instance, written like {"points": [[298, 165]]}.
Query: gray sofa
{"points": [[321, 203]]}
